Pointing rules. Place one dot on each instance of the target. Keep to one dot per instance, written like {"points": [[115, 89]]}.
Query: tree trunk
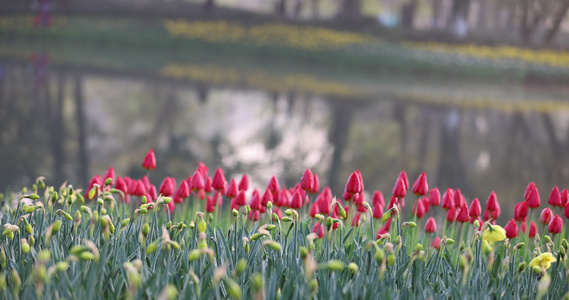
{"points": [[209, 4], [281, 8], [556, 23], [350, 9], [408, 14]]}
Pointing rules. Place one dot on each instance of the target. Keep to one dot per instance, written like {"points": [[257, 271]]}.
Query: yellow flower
{"points": [[494, 233], [543, 260]]}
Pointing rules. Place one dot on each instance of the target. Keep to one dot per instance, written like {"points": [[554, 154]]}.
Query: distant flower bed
{"points": [[206, 237], [283, 35], [546, 57]]}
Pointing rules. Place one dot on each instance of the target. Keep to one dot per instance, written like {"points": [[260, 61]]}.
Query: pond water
{"points": [[70, 116]]}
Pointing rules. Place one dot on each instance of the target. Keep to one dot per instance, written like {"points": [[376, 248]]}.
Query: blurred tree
{"points": [[408, 13], [350, 9], [209, 4], [558, 19]]}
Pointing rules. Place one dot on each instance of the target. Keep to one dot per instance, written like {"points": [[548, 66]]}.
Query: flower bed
{"points": [[205, 237]]}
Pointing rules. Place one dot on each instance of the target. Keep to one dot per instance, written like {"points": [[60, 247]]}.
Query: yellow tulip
{"points": [[494, 233], [543, 260]]}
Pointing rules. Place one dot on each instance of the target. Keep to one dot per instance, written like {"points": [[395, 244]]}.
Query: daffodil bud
{"points": [[332, 265], [257, 282], [28, 227], [537, 269], [232, 288], [202, 226], [235, 212], [125, 222], [100, 201], [353, 267], [476, 224], [342, 211], [145, 229], [521, 267], [271, 227], [56, 226], [193, 255], [241, 265], [151, 248], [86, 256], [546, 239], [16, 281], [109, 181], [288, 212], [303, 252], [329, 221], [562, 251], [391, 259], [256, 236], [25, 246], [462, 262], [275, 246], [62, 266], [313, 286], [564, 244], [34, 196], [287, 219]]}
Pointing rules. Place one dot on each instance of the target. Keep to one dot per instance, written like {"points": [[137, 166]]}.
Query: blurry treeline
{"points": [[526, 21]]}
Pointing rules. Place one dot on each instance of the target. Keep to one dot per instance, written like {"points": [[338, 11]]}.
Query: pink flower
{"points": [[431, 225], [421, 187], [307, 181]]}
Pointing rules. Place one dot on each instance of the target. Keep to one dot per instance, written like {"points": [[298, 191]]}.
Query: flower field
{"points": [[205, 237]]}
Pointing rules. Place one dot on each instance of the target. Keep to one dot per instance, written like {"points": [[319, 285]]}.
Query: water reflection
{"points": [[69, 122]]}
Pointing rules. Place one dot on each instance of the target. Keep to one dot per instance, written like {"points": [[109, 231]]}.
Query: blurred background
{"points": [[473, 92]]}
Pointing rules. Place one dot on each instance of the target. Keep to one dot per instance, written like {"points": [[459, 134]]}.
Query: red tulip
{"points": [[254, 215], [426, 204], [314, 209], [431, 225], [458, 198], [356, 220], [231, 189], [307, 180], [139, 189], [149, 162], [255, 200], [167, 188], [475, 210], [418, 209], [448, 199], [492, 203], [182, 193], [319, 230], [244, 183], [436, 243], [532, 229], [210, 204], [208, 188], [198, 182], [462, 215], [273, 185], [147, 182], [240, 199], [354, 184], [556, 225], [564, 197], [359, 174], [152, 193], [378, 199], [451, 214], [546, 216], [511, 229], [316, 185], [296, 200], [266, 198], [566, 212], [202, 169], [520, 211], [532, 196], [122, 186], [384, 229], [555, 197], [219, 183], [94, 180], [377, 211], [421, 187], [110, 173], [399, 189], [435, 197], [403, 177]]}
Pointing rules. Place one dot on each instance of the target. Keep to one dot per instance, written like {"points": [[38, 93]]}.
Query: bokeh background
{"points": [[473, 92]]}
